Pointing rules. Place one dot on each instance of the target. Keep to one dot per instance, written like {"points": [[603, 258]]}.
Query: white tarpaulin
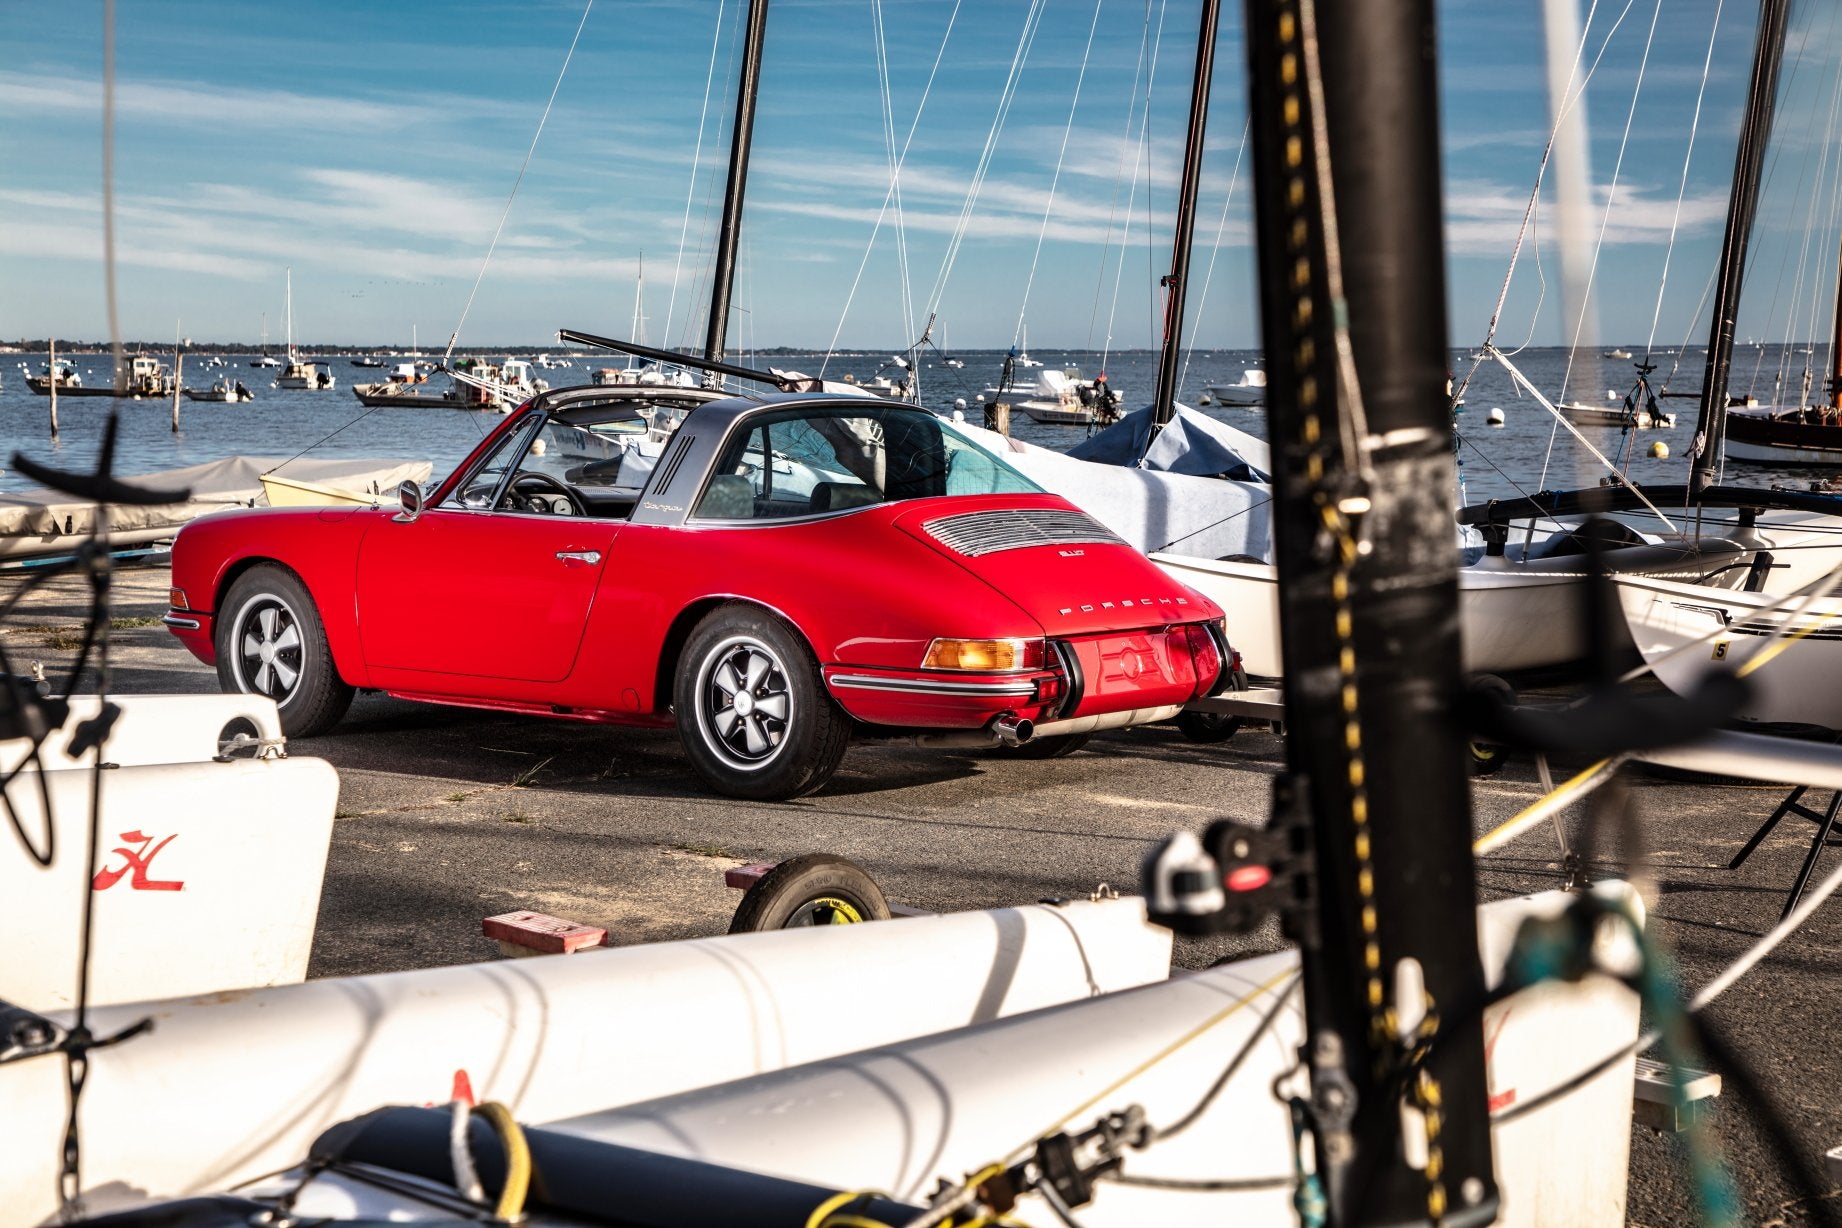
{"points": [[1201, 517]]}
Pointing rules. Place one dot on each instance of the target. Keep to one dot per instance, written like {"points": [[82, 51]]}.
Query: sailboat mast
{"points": [[1742, 207], [1164, 406], [290, 314], [1345, 129], [1835, 343], [722, 280]]}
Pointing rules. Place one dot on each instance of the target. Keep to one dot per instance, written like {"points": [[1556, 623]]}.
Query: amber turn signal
{"points": [[983, 654], [175, 598]]}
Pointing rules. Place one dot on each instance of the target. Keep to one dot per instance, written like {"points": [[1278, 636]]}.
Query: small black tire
{"points": [[1207, 726], [786, 738], [1487, 758], [814, 889], [1057, 746], [270, 641]]}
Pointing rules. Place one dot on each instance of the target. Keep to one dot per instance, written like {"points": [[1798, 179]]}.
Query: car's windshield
{"points": [[813, 459]]}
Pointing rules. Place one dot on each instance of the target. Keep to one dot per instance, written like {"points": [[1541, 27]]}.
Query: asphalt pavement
{"points": [[449, 815]]}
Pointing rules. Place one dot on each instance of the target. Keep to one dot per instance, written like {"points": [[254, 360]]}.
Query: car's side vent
{"points": [[679, 452], [976, 533]]}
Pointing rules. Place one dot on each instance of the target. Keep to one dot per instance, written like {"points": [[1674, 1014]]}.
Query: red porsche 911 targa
{"points": [[772, 573]]}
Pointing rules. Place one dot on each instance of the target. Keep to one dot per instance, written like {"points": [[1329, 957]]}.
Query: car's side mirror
{"points": [[409, 494]]}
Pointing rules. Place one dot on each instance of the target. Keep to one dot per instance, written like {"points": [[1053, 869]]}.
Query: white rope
{"points": [[522, 167], [1221, 225], [1675, 221], [1056, 179], [889, 194], [1516, 374], [697, 156], [1611, 196], [108, 197]]}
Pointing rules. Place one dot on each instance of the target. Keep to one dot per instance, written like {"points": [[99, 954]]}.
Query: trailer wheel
{"points": [[816, 889], [1207, 726], [1487, 758]]}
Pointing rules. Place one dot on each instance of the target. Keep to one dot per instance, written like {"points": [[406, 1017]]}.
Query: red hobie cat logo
{"points": [[135, 863]]}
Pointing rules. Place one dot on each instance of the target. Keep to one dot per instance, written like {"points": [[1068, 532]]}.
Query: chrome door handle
{"points": [[590, 557]]}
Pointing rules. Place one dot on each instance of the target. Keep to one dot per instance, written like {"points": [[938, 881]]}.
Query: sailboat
{"points": [[265, 359], [1023, 352], [299, 373]]}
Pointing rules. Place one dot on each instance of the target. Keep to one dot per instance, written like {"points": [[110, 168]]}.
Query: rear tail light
{"points": [[1205, 655], [983, 655]]}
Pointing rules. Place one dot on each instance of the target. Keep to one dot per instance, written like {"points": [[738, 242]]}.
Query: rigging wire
{"points": [[1119, 173], [1056, 179], [1221, 226], [704, 276], [888, 195], [1688, 156], [887, 98], [1611, 197], [1140, 158], [522, 167], [697, 155]]}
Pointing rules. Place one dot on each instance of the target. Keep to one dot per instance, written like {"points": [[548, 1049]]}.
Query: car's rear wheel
{"points": [[752, 708], [270, 642], [1053, 747]]}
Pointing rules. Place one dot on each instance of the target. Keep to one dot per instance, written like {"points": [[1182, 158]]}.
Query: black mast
{"points": [[722, 279], [1164, 406], [1364, 484], [1742, 207]]}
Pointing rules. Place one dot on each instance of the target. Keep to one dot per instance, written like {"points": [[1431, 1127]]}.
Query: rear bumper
{"points": [[941, 700], [193, 628]]}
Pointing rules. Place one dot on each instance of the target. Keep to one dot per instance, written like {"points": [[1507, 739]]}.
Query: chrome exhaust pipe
{"points": [[1013, 730], [1007, 730]]}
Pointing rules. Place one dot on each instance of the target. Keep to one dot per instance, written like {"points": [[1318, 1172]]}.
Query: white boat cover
{"points": [[41, 522], [1179, 513]]}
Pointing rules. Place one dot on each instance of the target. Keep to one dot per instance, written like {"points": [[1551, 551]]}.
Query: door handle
{"points": [[591, 557]]}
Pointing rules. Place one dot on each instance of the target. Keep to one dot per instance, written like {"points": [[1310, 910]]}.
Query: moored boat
{"points": [[224, 391], [1250, 389]]}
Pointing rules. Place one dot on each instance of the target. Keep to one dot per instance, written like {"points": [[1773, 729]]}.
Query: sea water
{"points": [[1529, 452]]}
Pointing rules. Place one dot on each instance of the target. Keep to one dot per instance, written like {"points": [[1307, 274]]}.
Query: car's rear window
{"points": [[810, 461]]}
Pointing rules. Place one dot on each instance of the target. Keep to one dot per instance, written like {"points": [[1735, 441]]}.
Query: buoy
{"points": [[1495, 416], [959, 403], [1204, 400], [1659, 450]]}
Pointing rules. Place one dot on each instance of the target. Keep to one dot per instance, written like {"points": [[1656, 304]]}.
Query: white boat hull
{"points": [[243, 1083], [1687, 631], [902, 1117]]}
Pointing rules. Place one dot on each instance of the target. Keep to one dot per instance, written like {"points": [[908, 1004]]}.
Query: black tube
{"points": [[722, 279], [1363, 505], [1163, 406], [656, 354], [1742, 207]]}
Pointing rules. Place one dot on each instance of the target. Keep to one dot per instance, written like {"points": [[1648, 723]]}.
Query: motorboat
{"points": [[224, 390], [305, 374], [1250, 389]]}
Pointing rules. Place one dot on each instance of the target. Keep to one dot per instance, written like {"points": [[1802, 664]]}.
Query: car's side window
{"points": [[478, 490]]}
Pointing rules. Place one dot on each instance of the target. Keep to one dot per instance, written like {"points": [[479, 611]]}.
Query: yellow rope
{"points": [[517, 1159]]}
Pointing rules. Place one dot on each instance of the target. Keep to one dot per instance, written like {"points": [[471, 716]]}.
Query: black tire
{"points": [[1488, 758], [1055, 747], [270, 641], [1207, 726], [816, 889], [787, 738]]}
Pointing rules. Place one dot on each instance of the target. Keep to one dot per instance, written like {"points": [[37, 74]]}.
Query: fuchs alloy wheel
{"points": [[270, 642], [752, 709], [816, 889]]}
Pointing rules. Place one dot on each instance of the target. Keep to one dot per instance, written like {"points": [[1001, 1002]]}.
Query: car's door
{"points": [[484, 584]]}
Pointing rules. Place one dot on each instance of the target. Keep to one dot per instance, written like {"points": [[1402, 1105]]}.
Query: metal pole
{"points": [[1742, 207], [52, 374], [1175, 283], [1347, 186], [178, 376], [722, 280]]}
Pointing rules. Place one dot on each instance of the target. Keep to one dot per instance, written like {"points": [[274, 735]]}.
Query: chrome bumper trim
{"points": [[188, 624], [924, 686]]}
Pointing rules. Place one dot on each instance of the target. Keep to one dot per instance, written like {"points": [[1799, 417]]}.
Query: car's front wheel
{"points": [[752, 708], [270, 642]]}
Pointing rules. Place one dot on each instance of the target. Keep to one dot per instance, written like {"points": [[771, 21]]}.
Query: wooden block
{"points": [[535, 933]]}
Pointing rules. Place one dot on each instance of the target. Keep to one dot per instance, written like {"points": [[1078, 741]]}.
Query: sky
{"points": [[372, 149]]}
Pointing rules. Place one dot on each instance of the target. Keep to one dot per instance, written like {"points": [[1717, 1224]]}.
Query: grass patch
{"points": [[704, 850], [526, 777], [457, 797], [64, 639], [129, 624], [519, 816]]}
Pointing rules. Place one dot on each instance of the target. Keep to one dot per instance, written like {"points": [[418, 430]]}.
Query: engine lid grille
{"points": [[979, 533]]}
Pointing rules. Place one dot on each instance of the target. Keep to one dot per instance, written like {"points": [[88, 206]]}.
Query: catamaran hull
{"points": [[240, 1084]]}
